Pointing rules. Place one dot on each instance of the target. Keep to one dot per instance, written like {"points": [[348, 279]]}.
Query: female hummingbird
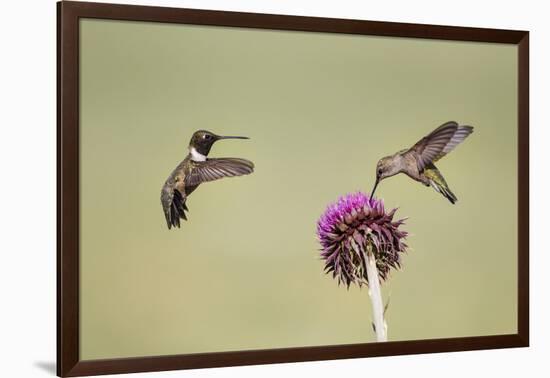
{"points": [[195, 169], [417, 161]]}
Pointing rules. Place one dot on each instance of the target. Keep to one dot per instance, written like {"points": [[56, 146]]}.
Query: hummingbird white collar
{"points": [[196, 155]]}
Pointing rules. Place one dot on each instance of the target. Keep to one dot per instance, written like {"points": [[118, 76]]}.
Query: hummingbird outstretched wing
{"points": [[217, 168], [190, 174], [439, 143]]}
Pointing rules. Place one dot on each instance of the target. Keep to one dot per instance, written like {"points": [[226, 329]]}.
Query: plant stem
{"points": [[376, 297]]}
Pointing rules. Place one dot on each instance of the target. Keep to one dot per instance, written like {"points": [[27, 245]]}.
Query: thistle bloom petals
{"points": [[351, 227]]}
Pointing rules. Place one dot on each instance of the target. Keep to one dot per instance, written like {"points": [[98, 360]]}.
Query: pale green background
{"points": [[244, 272]]}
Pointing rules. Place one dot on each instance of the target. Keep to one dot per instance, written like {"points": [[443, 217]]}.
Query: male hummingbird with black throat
{"points": [[417, 162], [195, 169]]}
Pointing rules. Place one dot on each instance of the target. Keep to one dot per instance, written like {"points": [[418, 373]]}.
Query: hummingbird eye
{"points": [[206, 136], [379, 171]]}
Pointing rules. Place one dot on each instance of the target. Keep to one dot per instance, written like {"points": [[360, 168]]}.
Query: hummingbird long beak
{"points": [[375, 185], [232, 137]]}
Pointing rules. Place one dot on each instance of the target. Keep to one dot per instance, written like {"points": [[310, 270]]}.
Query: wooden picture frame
{"points": [[68, 358]]}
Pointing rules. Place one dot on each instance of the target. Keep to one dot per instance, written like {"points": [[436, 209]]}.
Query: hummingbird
{"points": [[417, 162], [195, 169]]}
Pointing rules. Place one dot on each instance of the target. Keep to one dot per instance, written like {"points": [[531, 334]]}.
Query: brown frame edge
{"points": [[68, 15]]}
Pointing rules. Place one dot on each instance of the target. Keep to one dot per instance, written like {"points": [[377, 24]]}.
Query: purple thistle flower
{"points": [[351, 227]]}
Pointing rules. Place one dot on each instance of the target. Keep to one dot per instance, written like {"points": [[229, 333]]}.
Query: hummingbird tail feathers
{"points": [[178, 208], [438, 183], [445, 191], [175, 209]]}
